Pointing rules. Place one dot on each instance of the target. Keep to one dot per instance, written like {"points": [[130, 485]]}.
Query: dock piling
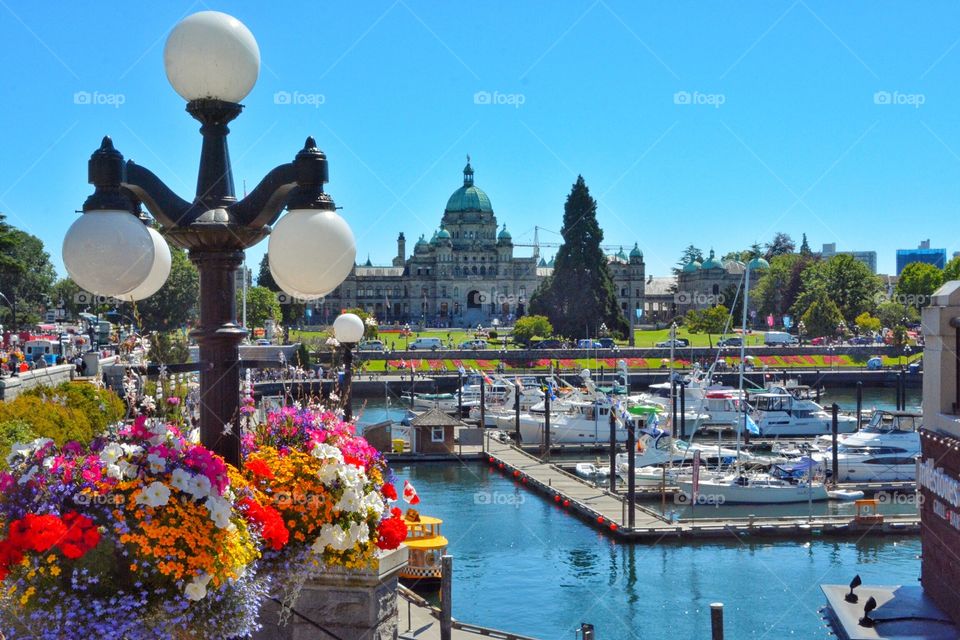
{"points": [[483, 404], [613, 452], [835, 466], [546, 423], [516, 415], [716, 621], [631, 475], [859, 403], [683, 413], [459, 394], [446, 597]]}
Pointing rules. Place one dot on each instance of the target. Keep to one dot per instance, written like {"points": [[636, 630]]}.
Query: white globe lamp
{"points": [[211, 55], [311, 251], [158, 272], [109, 252], [348, 328]]}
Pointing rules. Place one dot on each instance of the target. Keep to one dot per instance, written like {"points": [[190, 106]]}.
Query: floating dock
{"points": [[607, 511]]}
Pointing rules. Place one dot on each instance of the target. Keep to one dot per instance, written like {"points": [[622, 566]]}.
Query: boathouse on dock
{"points": [[434, 432]]}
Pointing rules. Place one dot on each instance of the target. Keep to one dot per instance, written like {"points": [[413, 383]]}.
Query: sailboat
{"points": [[740, 486]]}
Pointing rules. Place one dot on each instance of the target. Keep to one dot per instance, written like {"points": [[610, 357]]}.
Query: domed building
{"points": [[700, 286]]}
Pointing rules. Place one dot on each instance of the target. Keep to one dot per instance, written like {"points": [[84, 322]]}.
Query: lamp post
{"points": [[348, 330], [212, 61]]}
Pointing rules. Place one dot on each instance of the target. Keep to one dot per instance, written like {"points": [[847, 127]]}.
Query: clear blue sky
{"points": [[799, 143]]}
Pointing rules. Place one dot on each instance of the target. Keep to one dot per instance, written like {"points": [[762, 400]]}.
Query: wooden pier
{"points": [[606, 510]]}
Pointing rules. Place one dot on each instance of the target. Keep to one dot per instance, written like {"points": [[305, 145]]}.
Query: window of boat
{"points": [[891, 461]]}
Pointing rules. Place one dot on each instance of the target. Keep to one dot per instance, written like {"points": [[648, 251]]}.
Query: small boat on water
{"points": [[590, 470], [885, 450], [778, 412]]}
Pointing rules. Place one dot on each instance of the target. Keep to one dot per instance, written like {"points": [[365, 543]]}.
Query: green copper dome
{"points": [[504, 234], [635, 252], [691, 267], [469, 197], [620, 255], [443, 235], [712, 262]]}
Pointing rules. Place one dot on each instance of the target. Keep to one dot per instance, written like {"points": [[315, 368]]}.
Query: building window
{"points": [[716, 289], [637, 294], [443, 291]]}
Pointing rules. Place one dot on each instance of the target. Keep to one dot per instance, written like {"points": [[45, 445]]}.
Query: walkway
{"points": [[606, 511], [421, 621]]}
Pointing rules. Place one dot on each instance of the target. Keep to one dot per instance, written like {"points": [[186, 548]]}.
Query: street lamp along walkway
{"points": [[212, 61]]}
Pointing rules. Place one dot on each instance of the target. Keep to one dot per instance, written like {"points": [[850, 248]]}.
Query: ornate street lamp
{"points": [[348, 329], [212, 61]]}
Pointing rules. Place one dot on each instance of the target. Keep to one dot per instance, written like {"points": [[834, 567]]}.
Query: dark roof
{"points": [[435, 418]]}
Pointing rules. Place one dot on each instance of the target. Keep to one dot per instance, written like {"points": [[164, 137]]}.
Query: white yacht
{"points": [[778, 412], [885, 450], [752, 488]]}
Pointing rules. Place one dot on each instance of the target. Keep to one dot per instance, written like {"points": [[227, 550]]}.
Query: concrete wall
{"points": [[13, 386]]}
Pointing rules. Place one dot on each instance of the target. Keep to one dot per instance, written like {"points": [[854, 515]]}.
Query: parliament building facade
{"points": [[465, 275]]}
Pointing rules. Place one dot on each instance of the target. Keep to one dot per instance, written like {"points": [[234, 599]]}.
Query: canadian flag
{"points": [[409, 493]]}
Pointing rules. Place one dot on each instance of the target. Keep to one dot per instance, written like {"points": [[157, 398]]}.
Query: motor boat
{"points": [[590, 470], [778, 412], [885, 450]]}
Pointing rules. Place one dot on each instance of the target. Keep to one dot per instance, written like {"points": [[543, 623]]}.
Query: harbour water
{"points": [[525, 565]]}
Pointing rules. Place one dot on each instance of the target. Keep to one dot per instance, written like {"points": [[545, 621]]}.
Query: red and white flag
{"points": [[409, 493]]}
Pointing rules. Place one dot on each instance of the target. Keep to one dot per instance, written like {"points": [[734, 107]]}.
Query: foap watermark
{"points": [[515, 100], [715, 100], [84, 499], [96, 98], [698, 298], [905, 499], [284, 298], [499, 499], [897, 98], [88, 299], [907, 299], [496, 297], [298, 98], [702, 499]]}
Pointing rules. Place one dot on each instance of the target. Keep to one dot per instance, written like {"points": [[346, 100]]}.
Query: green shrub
{"points": [[12, 432], [49, 419], [101, 406]]}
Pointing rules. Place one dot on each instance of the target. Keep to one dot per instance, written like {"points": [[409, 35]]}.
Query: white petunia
{"points": [[351, 500], [25, 478], [131, 450], [326, 452], [220, 511], [156, 494], [199, 486], [328, 473], [111, 453], [23, 450], [196, 589], [158, 464], [373, 501], [180, 479]]}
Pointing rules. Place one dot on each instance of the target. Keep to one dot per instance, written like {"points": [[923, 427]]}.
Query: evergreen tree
{"points": [[579, 295], [781, 244], [26, 274], [689, 254], [805, 247]]}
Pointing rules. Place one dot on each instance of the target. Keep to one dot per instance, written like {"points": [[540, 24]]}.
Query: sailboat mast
{"points": [[743, 351]]}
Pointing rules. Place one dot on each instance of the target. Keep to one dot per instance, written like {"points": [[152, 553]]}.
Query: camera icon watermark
{"points": [[515, 100], [297, 98], [715, 100], [896, 98], [96, 98], [698, 298], [499, 499]]}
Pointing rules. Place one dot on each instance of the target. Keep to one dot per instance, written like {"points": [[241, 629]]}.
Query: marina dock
{"points": [[606, 511], [419, 620]]}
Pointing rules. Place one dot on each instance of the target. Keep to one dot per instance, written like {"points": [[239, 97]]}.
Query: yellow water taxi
{"points": [[426, 547]]}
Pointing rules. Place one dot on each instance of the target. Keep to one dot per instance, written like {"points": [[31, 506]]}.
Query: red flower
{"points": [[37, 533], [10, 554], [82, 535], [396, 513], [270, 522], [259, 468], [389, 491], [391, 533]]}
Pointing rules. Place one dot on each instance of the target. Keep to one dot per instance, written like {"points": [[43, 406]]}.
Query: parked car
{"points": [[607, 343], [587, 343], [862, 340], [734, 341], [474, 344], [547, 344], [425, 343], [371, 345], [676, 342], [820, 341], [263, 342]]}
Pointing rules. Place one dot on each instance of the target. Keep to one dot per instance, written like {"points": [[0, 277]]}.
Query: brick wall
{"points": [[940, 566]]}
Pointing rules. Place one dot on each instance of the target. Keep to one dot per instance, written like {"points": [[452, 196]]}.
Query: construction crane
{"points": [[537, 244]]}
